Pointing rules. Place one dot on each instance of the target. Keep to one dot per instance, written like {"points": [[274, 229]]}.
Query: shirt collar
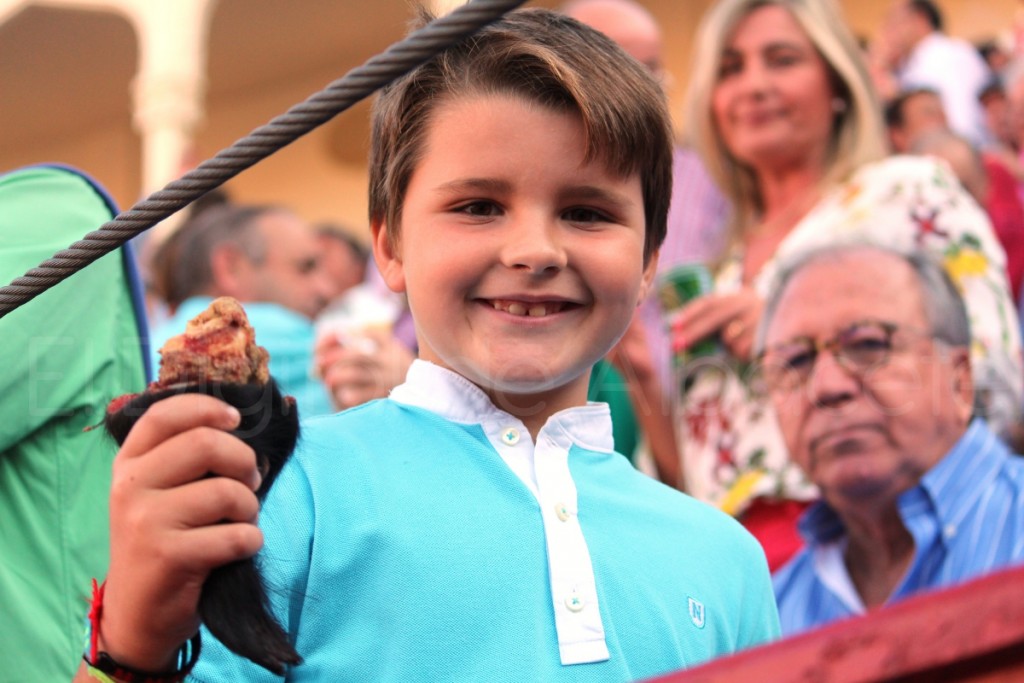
{"points": [[950, 488], [956, 482], [452, 396], [820, 524]]}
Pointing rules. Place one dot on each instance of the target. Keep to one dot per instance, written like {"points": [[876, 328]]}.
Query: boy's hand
{"points": [[734, 317], [363, 372], [182, 502]]}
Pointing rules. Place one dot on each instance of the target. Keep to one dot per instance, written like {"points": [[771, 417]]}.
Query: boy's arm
{"points": [[182, 502]]}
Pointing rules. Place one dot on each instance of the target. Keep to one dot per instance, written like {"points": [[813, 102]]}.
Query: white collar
{"points": [[454, 397]]}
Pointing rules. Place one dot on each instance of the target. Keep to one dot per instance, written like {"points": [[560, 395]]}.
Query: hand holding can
{"points": [[677, 287]]}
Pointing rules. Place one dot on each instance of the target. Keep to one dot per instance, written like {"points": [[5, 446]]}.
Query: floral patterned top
{"points": [[731, 446]]}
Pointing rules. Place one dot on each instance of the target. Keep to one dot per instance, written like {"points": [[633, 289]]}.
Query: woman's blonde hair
{"points": [[857, 132]]}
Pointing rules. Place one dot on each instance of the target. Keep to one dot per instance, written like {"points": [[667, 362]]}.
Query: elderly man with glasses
{"points": [[865, 355]]}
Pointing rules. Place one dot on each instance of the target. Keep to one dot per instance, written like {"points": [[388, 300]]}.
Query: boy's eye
{"points": [[582, 214], [479, 208]]}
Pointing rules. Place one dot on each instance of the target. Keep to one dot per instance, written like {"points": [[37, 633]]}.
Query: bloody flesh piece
{"points": [[218, 345]]}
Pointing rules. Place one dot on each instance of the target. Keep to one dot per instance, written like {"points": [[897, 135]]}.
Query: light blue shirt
{"points": [[286, 335], [966, 516], [430, 537]]}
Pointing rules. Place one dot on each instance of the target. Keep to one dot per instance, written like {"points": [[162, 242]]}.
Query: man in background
{"points": [[268, 259], [923, 56], [343, 256], [917, 124], [865, 354]]}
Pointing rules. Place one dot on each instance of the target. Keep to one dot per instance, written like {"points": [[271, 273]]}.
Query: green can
{"points": [[678, 286]]}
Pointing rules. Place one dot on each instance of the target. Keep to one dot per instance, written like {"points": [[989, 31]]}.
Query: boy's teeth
{"points": [[523, 309]]}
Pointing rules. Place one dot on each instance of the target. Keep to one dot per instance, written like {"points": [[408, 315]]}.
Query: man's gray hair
{"points": [[943, 306], [182, 267]]}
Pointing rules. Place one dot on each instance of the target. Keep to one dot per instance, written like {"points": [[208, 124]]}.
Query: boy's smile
{"points": [[523, 262]]}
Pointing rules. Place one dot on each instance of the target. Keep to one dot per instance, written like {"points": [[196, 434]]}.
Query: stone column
{"points": [[170, 85]]}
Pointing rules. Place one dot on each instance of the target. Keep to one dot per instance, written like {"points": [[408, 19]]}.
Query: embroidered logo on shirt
{"points": [[696, 612]]}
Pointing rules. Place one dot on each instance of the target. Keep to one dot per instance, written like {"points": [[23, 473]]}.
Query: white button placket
{"points": [[574, 590], [513, 443]]}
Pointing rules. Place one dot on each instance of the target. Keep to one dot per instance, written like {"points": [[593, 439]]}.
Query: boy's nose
{"points": [[535, 248]]}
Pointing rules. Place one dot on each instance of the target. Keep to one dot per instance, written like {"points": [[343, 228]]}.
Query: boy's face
{"points": [[523, 264]]}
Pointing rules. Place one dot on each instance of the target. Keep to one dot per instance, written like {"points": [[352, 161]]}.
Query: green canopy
{"points": [[63, 356]]}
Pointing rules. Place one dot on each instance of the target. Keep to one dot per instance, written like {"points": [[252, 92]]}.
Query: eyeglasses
{"points": [[858, 348]]}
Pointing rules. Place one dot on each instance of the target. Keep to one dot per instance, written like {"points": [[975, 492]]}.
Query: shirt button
{"points": [[510, 437], [575, 602], [949, 531], [562, 512]]}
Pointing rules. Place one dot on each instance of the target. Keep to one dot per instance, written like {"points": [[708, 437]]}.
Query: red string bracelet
{"points": [[95, 612], [102, 662]]}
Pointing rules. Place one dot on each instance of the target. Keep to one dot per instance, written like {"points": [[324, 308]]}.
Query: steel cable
{"points": [[400, 58]]}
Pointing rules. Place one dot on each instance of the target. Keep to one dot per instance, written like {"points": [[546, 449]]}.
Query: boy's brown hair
{"points": [[545, 57]]}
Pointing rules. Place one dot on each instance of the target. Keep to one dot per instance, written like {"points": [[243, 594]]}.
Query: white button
{"points": [[949, 531], [575, 602], [510, 436], [562, 511]]}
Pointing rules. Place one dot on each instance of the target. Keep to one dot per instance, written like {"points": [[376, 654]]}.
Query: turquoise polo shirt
{"points": [[431, 537]]}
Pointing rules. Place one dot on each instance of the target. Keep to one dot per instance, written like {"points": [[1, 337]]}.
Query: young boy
{"points": [[476, 525]]}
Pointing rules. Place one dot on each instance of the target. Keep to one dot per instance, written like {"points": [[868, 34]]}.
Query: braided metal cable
{"points": [[400, 58]]}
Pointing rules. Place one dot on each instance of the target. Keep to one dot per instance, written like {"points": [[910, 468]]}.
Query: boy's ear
{"points": [[650, 270], [386, 254]]}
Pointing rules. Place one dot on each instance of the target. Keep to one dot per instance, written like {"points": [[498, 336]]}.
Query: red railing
{"points": [[971, 632]]}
